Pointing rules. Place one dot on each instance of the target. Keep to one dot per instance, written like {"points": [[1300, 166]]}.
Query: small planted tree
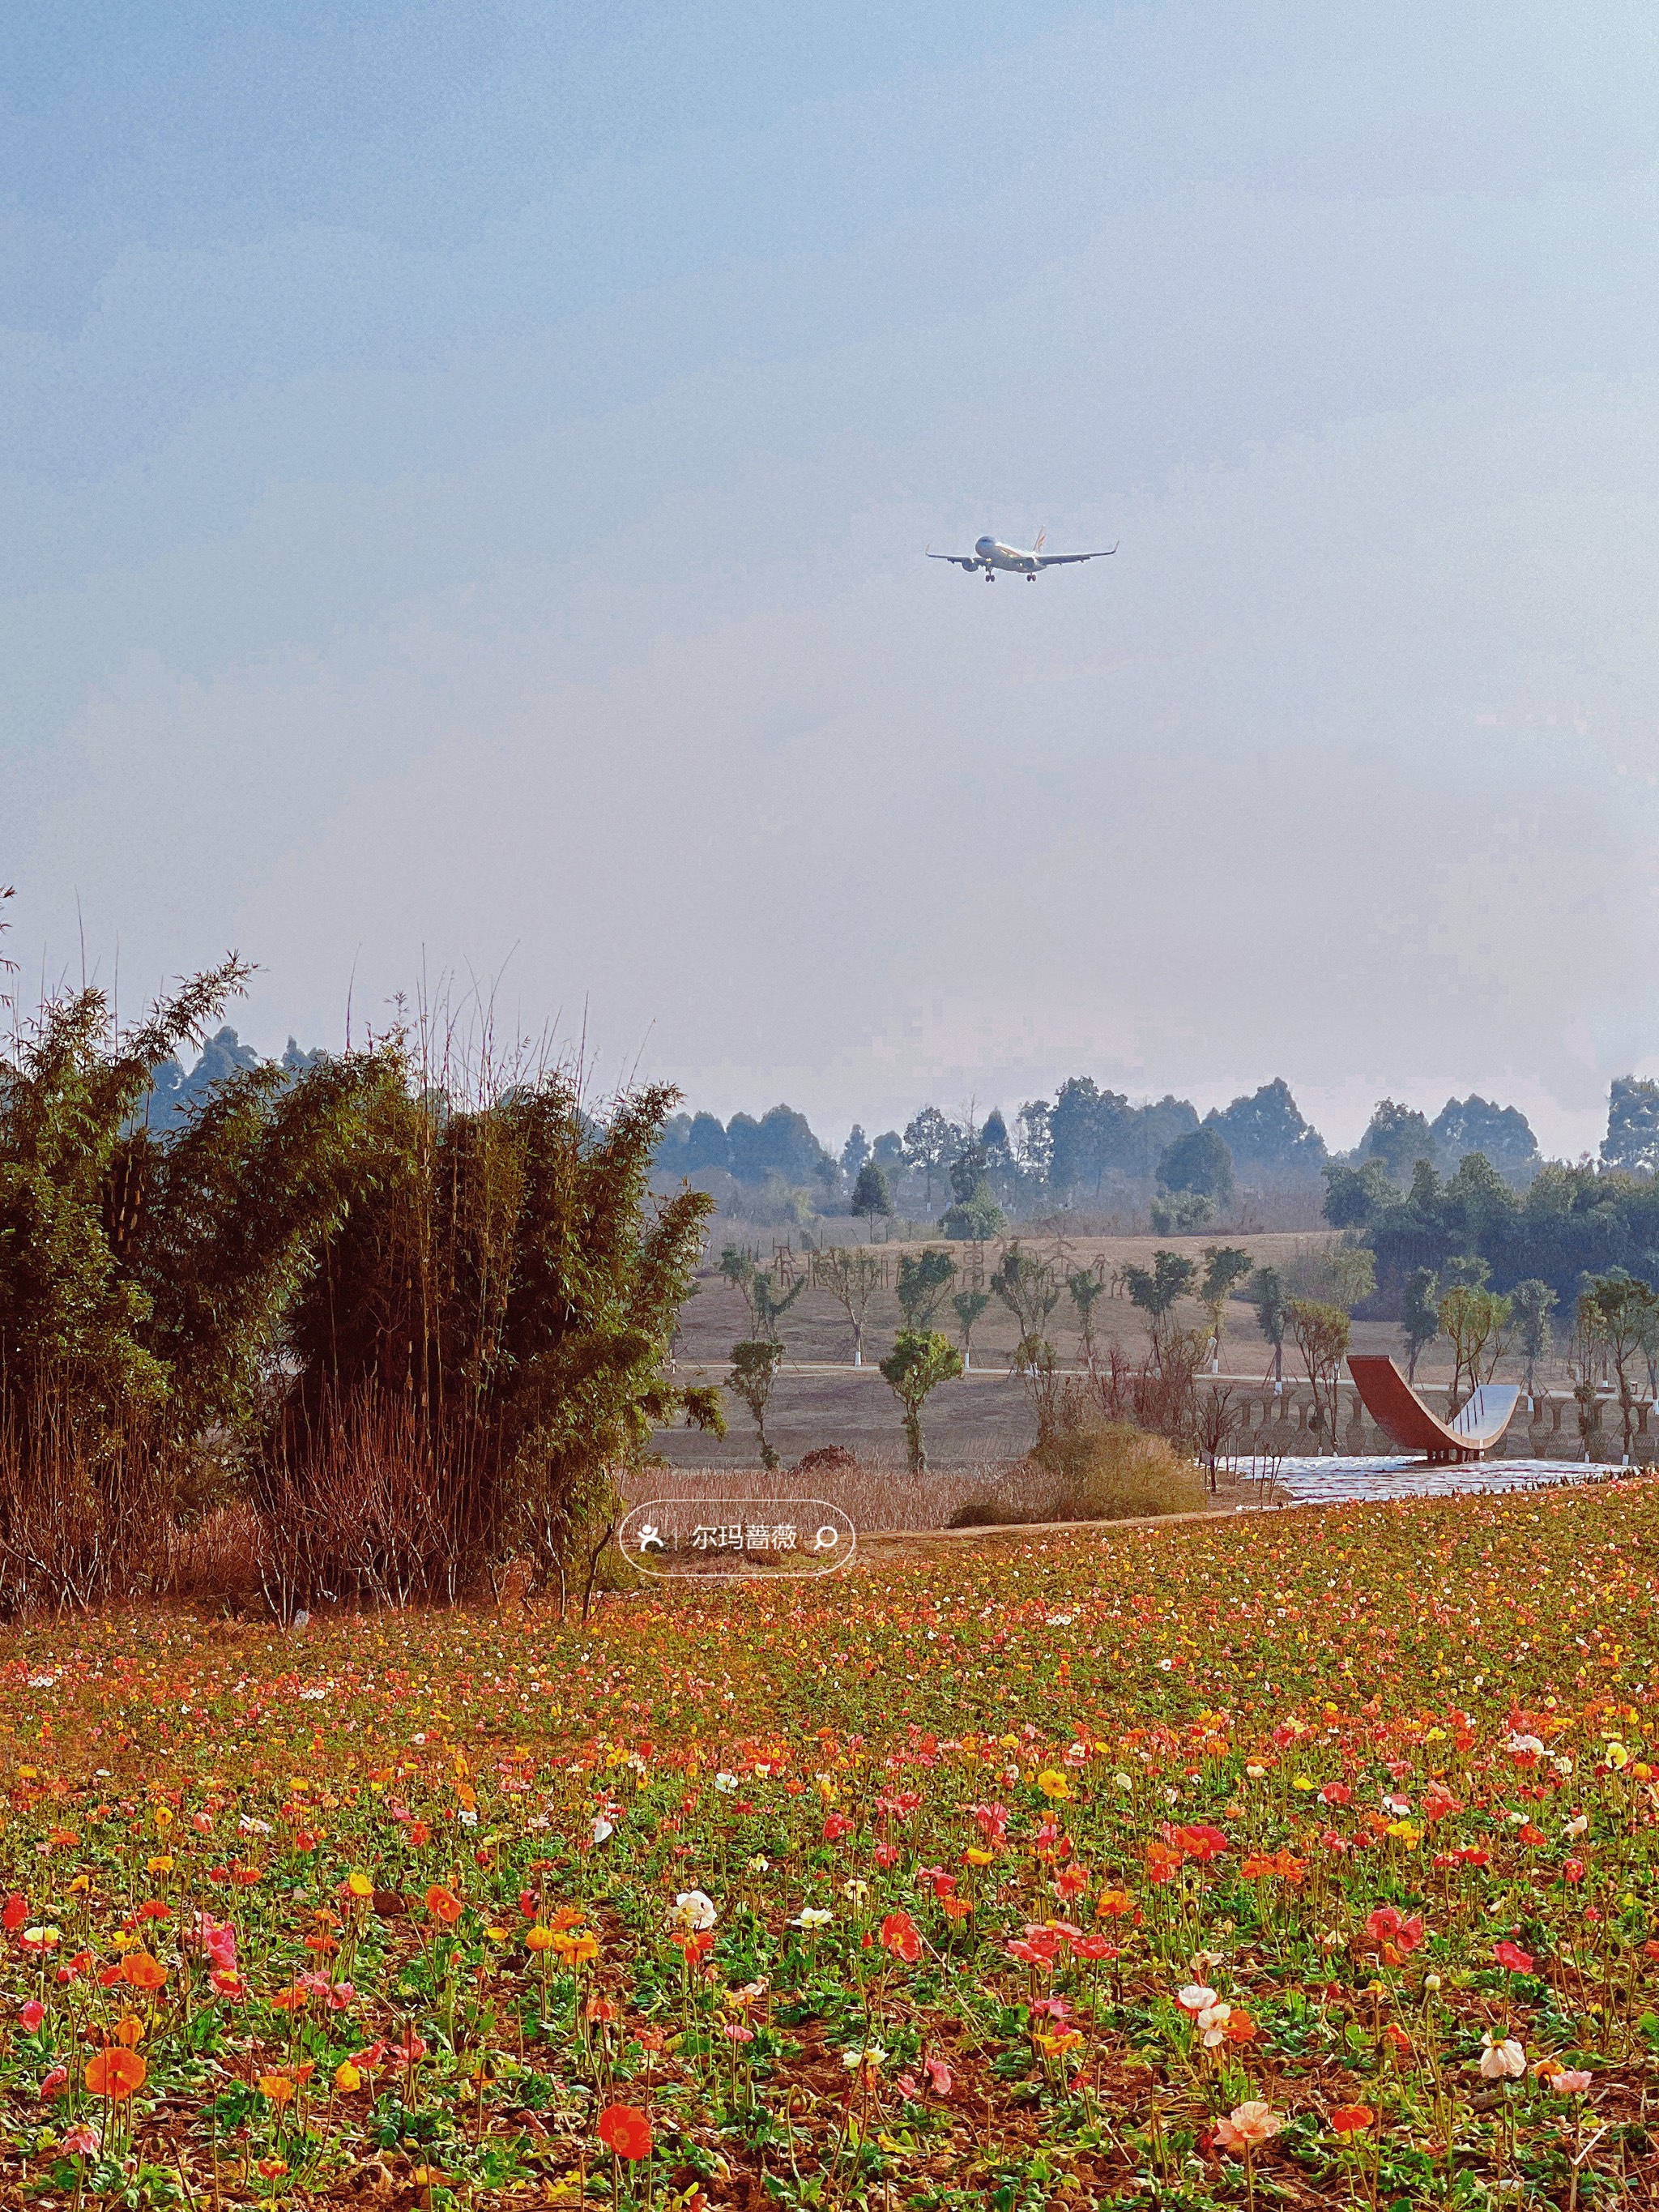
{"points": [[1323, 1336], [1225, 1267], [754, 1365], [1083, 1287], [1649, 1347], [920, 1361], [1624, 1307], [1037, 1366], [871, 1196], [1267, 1293], [1219, 1418], [758, 1288], [1027, 1287], [1532, 1303], [851, 1279], [1157, 1290], [1419, 1322], [738, 1269], [769, 1306], [1474, 1319], [923, 1279], [969, 1306]]}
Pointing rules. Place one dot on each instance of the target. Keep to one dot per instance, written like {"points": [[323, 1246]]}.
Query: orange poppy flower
{"points": [[142, 1972], [115, 2073], [443, 1904], [625, 2130]]}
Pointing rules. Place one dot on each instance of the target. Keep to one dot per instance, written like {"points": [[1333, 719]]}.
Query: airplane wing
{"points": [[1060, 559], [957, 560]]}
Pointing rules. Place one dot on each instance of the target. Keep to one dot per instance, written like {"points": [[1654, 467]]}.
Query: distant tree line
{"points": [[1094, 1148], [1085, 1145], [1568, 1224]]}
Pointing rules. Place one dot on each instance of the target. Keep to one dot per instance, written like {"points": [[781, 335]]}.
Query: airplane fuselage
{"points": [[994, 554]]}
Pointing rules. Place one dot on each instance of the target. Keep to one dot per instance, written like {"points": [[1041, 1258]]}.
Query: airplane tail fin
{"points": [[1041, 540]]}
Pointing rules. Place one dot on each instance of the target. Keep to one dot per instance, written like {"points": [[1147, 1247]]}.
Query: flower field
{"points": [[1306, 1859]]}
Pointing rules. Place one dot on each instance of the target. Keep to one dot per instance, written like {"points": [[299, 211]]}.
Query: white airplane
{"points": [[991, 553]]}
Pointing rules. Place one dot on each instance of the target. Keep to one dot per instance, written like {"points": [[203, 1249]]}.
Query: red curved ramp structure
{"points": [[1403, 1417]]}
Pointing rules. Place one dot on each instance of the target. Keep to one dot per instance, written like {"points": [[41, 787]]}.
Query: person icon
{"points": [[650, 1539]]}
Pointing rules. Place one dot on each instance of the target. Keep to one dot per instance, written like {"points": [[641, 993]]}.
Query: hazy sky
{"points": [[466, 470]]}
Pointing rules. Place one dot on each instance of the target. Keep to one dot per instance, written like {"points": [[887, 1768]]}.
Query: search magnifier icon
{"points": [[827, 1538]]}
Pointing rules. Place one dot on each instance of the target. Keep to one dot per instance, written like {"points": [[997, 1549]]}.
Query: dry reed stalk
{"points": [[78, 1523]]}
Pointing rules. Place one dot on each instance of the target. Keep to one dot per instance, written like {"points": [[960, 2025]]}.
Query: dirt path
{"points": [[889, 1546]]}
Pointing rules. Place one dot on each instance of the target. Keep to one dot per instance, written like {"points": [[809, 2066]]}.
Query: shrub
{"points": [[973, 1220], [1179, 1213], [1111, 1471], [1090, 1470], [833, 1461]]}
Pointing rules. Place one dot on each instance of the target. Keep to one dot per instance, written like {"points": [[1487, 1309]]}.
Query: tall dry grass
{"points": [[879, 1497], [80, 1506]]}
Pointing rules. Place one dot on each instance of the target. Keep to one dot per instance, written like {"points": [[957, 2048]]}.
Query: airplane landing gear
{"points": [[990, 575], [1030, 580]]}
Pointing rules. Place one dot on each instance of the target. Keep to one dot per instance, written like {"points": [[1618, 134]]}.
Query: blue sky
{"points": [[466, 475]]}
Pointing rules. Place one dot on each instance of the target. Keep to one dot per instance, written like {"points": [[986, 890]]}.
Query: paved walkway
{"points": [[1332, 1481]]}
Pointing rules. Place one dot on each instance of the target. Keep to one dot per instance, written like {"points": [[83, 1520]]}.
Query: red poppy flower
{"points": [[1202, 1843], [1394, 1932], [901, 1936], [625, 2130], [115, 2073]]}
